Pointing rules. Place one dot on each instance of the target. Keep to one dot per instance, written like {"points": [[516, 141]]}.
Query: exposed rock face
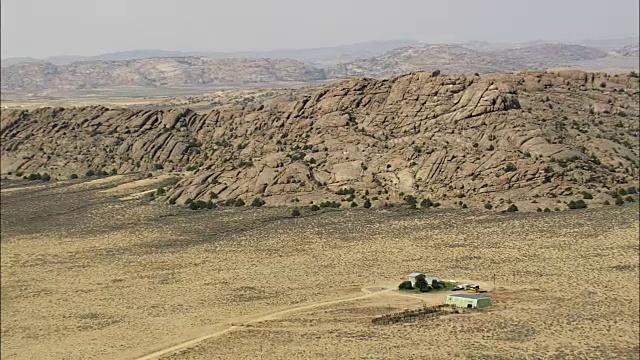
{"points": [[457, 59], [493, 139], [169, 72]]}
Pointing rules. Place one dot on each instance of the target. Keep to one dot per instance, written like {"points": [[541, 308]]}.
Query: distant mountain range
{"points": [[171, 69], [332, 54], [325, 56]]}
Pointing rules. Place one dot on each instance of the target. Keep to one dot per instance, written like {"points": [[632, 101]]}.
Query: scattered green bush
{"points": [[547, 210], [90, 173], [199, 204], [512, 208], [539, 210], [257, 202], [161, 191], [345, 191], [510, 167], [426, 203], [411, 200], [619, 201], [73, 176], [586, 195], [295, 212], [315, 208], [488, 206], [578, 204], [629, 199], [367, 204], [405, 285], [330, 204], [354, 204], [38, 176], [238, 203]]}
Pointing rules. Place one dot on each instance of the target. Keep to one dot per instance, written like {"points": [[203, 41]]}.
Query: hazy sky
{"points": [[40, 28]]}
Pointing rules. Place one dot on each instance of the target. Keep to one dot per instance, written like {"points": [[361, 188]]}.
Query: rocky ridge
{"points": [[534, 139], [155, 72], [463, 59]]}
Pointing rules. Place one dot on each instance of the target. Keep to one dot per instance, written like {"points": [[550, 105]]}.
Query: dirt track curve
{"points": [[259, 318]]}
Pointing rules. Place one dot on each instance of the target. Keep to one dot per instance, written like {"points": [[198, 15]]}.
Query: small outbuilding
{"points": [[468, 301]]}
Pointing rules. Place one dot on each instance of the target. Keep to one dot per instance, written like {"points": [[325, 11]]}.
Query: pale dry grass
{"points": [[567, 284]]}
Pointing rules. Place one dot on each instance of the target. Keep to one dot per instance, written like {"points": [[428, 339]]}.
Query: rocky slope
{"points": [[462, 59], [534, 138], [165, 72]]}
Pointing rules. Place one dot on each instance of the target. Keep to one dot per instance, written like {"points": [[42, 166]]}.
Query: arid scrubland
{"points": [[86, 275]]}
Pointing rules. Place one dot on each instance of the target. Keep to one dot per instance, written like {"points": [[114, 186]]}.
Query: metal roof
{"points": [[414, 274], [468, 296]]}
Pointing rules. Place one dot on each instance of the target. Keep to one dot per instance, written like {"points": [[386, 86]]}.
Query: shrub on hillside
{"points": [[586, 195], [488, 206], [411, 200], [578, 204], [295, 212], [90, 173], [510, 167], [239, 203], [405, 285], [426, 203], [346, 191], [512, 208], [73, 176], [257, 202], [315, 208], [330, 204], [367, 204]]}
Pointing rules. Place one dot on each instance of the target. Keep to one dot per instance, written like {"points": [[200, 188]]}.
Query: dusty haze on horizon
{"points": [[40, 28]]}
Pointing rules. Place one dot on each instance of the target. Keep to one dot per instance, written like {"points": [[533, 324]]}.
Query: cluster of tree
{"points": [[421, 284], [91, 173], [199, 204], [38, 176]]}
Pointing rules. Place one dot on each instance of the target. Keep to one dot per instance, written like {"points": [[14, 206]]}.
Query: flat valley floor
{"points": [[94, 270]]}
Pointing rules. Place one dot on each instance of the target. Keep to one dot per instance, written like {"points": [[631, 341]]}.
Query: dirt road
{"points": [[231, 327]]}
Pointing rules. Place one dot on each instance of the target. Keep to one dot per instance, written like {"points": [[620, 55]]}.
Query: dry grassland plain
{"points": [[88, 275]]}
